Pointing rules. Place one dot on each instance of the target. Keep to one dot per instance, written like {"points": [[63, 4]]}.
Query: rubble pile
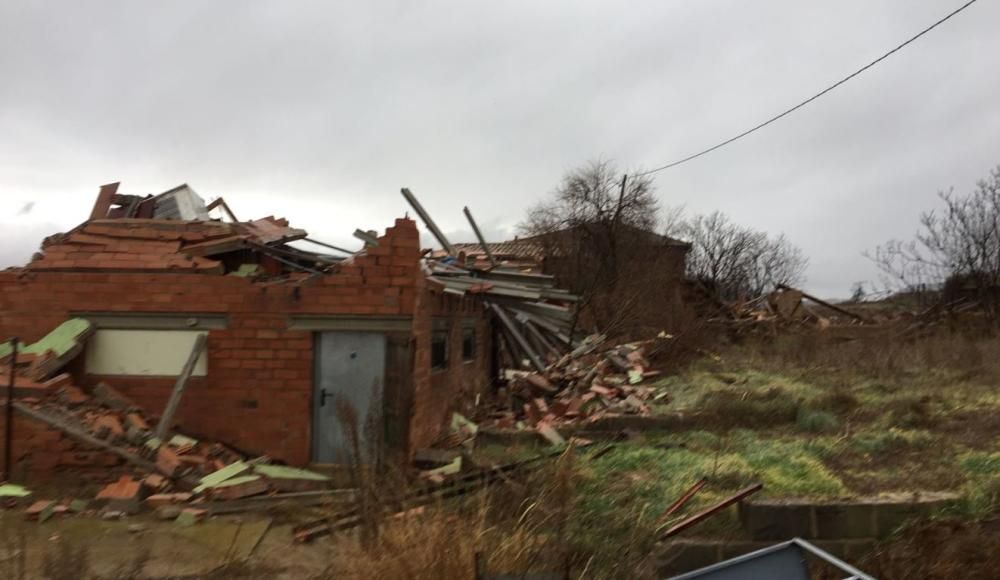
{"points": [[786, 307], [593, 381], [173, 475]]}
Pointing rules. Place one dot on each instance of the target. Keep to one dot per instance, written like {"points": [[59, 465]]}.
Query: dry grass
{"points": [[942, 549], [517, 527], [880, 357]]}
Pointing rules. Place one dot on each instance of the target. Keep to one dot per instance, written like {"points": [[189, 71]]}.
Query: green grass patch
{"points": [[644, 479], [812, 421], [882, 441], [983, 488]]}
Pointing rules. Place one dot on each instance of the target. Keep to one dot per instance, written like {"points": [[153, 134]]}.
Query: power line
{"points": [[810, 99]]}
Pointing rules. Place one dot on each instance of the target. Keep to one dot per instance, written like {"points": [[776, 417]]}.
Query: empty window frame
{"points": [[468, 343], [439, 350], [134, 352]]}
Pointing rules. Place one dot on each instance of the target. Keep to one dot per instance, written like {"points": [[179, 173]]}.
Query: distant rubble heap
{"points": [[789, 308]]}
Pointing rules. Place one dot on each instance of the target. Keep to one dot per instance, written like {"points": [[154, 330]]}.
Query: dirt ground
{"points": [[65, 547]]}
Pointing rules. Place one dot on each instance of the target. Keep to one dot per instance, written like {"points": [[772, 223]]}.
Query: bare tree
{"points": [[598, 234], [736, 261], [959, 245]]}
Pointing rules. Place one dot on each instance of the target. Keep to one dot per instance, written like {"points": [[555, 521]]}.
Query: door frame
{"points": [[397, 381]]}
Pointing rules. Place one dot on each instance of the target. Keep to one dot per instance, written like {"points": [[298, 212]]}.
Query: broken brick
{"points": [[124, 495], [73, 395], [109, 423], [167, 462], [111, 398], [155, 482], [37, 508], [136, 420], [550, 434], [162, 499], [601, 390], [191, 516]]}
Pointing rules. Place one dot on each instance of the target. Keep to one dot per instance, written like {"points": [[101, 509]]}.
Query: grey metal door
{"points": [[350, 367]]}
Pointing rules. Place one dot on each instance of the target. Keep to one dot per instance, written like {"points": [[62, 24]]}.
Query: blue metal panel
{"points": [[784, 561], [350, 366]]}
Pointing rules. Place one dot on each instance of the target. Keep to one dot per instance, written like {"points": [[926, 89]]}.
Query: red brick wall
{"points": [[258, 391], [41, 453], [438, 393]]}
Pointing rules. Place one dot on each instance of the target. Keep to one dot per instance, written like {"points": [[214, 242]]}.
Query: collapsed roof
{"points": [[174, 232]]}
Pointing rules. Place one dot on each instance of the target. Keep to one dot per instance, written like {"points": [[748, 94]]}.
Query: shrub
{"points": [[813, 421], [751, 410]]}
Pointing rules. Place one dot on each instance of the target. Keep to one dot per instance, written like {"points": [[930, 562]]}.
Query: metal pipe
{"points": [[479, 236], [536, 361], [331, 246], [8, 445], [428, 221]]}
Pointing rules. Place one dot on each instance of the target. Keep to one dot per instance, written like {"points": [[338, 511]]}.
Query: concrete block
{"points": [[845, 520], [734, 549], [857, 550], [891, 514], [681, 556], [776, 521], [837, 548]]}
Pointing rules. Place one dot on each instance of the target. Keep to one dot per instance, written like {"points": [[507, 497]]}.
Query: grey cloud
{"points": [[321, 111]]}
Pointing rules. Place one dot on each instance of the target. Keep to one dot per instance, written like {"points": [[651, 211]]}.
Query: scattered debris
{"points": [[10, 490], [711, 511], [679, 502], [110, 422], [592, 381]]}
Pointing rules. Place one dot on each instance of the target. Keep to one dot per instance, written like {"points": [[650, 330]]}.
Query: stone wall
{"points": [[848, 529]]}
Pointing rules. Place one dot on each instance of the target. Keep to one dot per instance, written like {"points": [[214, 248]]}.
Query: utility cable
{"points": [[810, 99]]}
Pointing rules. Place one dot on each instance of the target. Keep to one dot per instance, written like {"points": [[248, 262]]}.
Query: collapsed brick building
{"points": [[590, 259], [289, 332]]}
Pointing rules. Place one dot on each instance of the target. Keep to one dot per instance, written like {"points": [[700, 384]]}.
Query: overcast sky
{"points": [[321, 111]]}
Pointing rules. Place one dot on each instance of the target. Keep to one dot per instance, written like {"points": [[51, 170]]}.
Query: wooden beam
{"points": [[81, 435], [428, 221], [103, 202], [833, 307], [219, 202], [709, 512], [479, 236], [175, 396]]}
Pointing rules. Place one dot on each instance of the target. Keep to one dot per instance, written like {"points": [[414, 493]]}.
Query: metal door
{"points": [[350, 367]]}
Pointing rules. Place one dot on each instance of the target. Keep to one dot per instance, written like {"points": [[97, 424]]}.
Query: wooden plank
{"points": [[821, 302], [709, 512], [103, 202], [175, 395], [266, 502]]}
